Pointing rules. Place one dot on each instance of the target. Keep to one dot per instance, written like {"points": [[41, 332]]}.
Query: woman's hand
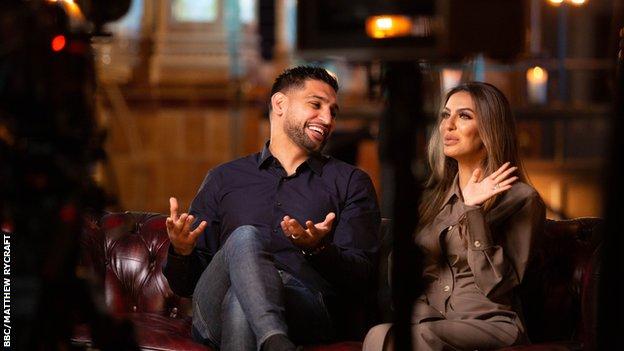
{"points": [[477, 192]]}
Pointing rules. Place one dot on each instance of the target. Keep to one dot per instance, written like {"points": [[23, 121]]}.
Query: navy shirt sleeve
{"points": [[183, 272], [348, 262]]}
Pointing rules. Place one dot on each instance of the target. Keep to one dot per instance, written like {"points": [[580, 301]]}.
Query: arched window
{"points": [[247, 11], [203, 11]]}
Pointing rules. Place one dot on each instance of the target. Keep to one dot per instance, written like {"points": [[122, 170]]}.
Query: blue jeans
{"points": [[241, 299]]}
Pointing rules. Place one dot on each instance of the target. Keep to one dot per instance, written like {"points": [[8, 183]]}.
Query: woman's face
{"points": [[458, 129]]}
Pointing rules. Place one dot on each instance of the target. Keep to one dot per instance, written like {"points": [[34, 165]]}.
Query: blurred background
{"points": [[182, 86], [122, 104]]}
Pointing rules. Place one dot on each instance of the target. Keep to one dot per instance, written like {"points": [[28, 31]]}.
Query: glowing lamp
{"points": [[388, 26], [537, 84], [573, 2], [71, 9], [58, 43]]}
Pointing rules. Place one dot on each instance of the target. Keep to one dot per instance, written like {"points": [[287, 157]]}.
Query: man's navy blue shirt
{"points": [[255, 190]]}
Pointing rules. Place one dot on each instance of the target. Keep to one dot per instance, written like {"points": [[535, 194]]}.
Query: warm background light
{"points": [[388, 26], [537, 73], [573, 2], [72, 9], [537, 84], [384, 23]]}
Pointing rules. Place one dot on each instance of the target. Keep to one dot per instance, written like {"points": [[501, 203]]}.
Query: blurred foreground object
{"points": [[411, 30], [49, 142]]}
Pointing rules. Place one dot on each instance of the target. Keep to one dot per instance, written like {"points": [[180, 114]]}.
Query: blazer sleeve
{"points": [[499, 260]]}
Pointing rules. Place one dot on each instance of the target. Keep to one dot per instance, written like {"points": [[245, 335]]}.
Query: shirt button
{"points": [[274, 230], [279, 203], [477, 243], [446, 288]]}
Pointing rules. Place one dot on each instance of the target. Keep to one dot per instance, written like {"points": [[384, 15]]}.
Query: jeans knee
{"points": [[245, 237], [248, 230], [244, 234]]}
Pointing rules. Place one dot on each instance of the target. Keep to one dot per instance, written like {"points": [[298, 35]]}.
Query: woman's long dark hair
{"points": [[497, 129]]}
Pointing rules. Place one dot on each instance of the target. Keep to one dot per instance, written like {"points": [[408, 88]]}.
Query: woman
{"points": [[479, 220]]}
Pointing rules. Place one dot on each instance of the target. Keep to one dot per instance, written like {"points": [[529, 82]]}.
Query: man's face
{"points": [[310, 117]]}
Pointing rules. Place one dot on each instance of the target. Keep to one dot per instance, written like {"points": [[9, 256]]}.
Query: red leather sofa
{"points": [[125, 251]]}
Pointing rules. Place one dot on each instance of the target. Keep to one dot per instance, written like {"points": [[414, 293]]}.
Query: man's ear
{"points": [[278, 102]]}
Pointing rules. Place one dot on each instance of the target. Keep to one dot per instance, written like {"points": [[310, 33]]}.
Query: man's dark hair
{"points": [[295, 78]]}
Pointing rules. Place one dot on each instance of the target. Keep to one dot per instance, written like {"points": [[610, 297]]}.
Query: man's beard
{"points": [[300, 137]]}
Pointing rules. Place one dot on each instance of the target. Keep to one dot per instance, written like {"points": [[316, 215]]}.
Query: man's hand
{"points": [[178, 229], [310, 237], [477, 192]]}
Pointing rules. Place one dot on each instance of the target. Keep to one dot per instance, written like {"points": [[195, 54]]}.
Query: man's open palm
{"points": [[309, 237]]}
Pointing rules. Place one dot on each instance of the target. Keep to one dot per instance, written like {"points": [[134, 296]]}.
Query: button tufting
{"points": [[477, 243], [446, 288], [134, 308]]}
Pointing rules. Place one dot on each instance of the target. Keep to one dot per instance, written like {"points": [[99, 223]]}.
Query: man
{"points": [[281, 237]]}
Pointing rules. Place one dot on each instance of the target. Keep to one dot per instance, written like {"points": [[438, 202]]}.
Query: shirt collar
{"points": [[314, 161], [265, 155], [453, 191]]}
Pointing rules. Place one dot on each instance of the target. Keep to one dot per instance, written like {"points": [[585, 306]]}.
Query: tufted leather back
{"points": [[127, 251], [560, 288]]}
